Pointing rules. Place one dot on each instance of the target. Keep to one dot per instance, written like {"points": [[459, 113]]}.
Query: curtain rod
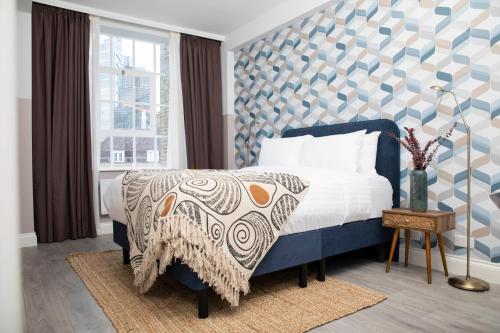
{"points": [[129, 19]]}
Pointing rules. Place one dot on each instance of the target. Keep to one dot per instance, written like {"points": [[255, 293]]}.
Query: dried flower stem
{"points": [[421, 158]]}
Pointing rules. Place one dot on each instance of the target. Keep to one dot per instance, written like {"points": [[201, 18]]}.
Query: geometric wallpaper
{"points": [[360, 60]]}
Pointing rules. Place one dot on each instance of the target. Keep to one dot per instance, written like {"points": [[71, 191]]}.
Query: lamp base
{"points": [[468, 283]]}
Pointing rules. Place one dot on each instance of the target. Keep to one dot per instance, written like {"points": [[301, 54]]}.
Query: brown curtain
{"points": [[202, 101], [62, 155]]}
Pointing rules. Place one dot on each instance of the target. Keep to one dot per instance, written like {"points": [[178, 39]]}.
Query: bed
{"points": [[306, 238]]}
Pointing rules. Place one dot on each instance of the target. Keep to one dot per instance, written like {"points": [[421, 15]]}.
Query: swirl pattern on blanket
{"points": [[220, 223]]}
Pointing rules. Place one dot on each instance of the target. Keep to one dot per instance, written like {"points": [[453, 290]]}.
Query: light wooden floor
{"points": [[57, 301]]}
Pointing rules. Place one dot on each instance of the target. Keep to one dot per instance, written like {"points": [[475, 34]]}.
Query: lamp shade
{"points": [[438, 88]]}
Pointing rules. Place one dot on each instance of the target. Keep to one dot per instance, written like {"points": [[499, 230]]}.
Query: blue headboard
{"points": [[388, 152]]}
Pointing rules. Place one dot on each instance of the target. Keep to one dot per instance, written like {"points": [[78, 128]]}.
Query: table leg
{"points": [[428, 256], [393, 247], [407, 244], [443, 257]]}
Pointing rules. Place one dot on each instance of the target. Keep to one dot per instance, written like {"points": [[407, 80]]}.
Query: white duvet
{"points": [[333, 198]]}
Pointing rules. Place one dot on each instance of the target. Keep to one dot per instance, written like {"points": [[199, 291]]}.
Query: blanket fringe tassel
{"points": [[179, 238]]}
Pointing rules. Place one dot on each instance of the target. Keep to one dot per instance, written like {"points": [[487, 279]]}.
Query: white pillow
{"points": [[282, 151], [368, 154], [337, 152]]}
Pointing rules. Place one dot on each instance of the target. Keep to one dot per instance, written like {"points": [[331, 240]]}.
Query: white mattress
{"points": [[333, 199]]}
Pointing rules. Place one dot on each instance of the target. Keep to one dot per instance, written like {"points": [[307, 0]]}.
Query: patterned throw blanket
{"points": [[220, 223]]}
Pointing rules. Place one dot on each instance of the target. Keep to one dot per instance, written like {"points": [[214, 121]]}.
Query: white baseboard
{"points": [[27, 239], [457, 265], [105, 228]]}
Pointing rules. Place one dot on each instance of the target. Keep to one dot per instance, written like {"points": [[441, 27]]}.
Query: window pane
{"points": [[144, 56], [145, 151], [122, 150], [161, 145], [105, 85], [142, 89], [105, 51], [161, 120], [133, 104], [105, 115], [142, 117], [162, 86], [123, 88], [122, 116], [162, 58], [105, 159], [122, 52]]}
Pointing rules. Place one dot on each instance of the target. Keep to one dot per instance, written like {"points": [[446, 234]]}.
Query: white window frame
{"points": [[133, 132], [155, 155], [120, 153]]}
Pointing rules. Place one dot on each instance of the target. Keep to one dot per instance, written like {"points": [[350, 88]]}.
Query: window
{"points": [[118, 156], [132, 99]]}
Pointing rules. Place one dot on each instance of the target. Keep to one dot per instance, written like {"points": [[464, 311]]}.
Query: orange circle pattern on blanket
{"points": [[259, 194], [169, 203]]}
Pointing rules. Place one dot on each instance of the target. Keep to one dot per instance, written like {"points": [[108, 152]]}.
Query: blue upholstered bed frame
{"points": [[297, 250]]}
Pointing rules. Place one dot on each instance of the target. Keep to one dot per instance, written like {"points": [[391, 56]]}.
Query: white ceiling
{"points": [[214, 16]]}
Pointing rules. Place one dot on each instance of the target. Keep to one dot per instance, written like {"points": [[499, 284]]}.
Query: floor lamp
{"points": [[465, 282]]}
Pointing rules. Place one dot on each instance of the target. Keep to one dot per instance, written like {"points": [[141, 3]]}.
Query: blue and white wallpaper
{"points": [[360, 60]]}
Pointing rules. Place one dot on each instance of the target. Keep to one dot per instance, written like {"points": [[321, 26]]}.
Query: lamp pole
{"points": [[469, 176]]}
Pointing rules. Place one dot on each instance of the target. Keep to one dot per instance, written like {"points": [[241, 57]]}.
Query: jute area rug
{"points": [[275, 303]]}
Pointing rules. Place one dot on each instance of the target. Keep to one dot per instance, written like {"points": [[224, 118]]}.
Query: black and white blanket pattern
{"points": [[220, 223]]}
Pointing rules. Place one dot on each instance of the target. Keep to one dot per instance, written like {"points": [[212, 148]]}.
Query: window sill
{"points": [[131, 168]]}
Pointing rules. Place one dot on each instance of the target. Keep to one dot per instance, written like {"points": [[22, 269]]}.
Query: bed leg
{"points": [[126, 257], [322, 270], [303, 276], [203, 303], [381, 252]]}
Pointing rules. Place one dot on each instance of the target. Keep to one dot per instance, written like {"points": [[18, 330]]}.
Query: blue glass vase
{"points": [[418, 190]]}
